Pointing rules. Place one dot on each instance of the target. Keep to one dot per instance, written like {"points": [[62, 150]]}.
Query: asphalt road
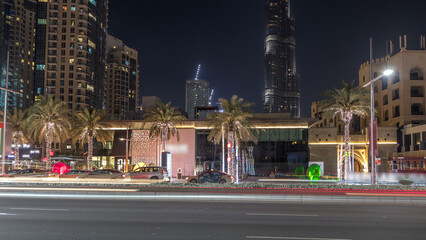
{"points": [[64, 219]]}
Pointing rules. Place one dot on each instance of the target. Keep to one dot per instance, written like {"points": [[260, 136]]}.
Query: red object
{"points": [[376, 152], [45, 159], [1, 125], [60, 168], [51, 153], [378, 161]]}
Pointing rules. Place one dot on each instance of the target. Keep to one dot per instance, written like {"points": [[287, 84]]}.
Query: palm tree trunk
{"points": [[89, 153], [347, 122], [48, 147], [16, 149], [231, 152], [163, 139]]}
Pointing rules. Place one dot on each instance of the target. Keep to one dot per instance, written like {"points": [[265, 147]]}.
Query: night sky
{"points": [[227, 37]]}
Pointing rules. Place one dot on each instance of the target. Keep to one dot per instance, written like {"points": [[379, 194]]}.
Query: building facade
{"points": [[18, 37], [196, 95], [411, 155], [326, 145], [282, 146], [399, 99], [282, 83], [70, 51], [122, 80]]}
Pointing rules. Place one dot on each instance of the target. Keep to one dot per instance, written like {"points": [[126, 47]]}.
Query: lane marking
{"points": [[294, 238], [387, 194], [40, 209], [282, 214], [70, 189], [7, 214]]}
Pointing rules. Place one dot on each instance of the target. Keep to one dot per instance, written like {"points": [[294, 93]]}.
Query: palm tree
{"points": [[235, 121], [49, 118], [16, 118], [164, 119], [345, 103], [90, 124]]}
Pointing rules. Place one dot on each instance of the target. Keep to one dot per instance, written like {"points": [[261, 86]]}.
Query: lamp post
{"points": [[385, 73]]}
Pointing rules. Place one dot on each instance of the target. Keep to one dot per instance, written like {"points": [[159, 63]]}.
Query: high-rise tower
{"points": [[122, 80], [18, 37], [196, 95], [70, 51], [282, 83]]}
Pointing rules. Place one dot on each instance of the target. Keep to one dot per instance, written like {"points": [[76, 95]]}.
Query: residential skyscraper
{"points": [[196, 94], [122, 80], [70, 51], [282, 83], [18, 37]]}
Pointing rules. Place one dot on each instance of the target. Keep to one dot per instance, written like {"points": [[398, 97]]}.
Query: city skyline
{"points": [[332, 42]]}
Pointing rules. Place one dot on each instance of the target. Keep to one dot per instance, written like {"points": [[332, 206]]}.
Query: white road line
{"points": [[281, 214], [39, 209], [70, 189], [294, 238], [7, 214]]}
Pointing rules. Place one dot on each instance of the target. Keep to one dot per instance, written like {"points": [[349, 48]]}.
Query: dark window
{"points": [[407, 142], [385, 100], [384, 83], [416, 141], [416, 109], [395, 77], [416, 91], [395, 94], [396, 111], [416, 74]]}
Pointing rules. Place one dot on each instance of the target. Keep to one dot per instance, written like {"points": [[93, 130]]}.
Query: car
{"points": [[104, 173], [211, 176], [75, 173], [34, 172], [153, 172], [11, 172]]}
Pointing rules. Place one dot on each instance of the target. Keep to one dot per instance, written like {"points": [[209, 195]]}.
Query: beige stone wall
{"points": [[402, 63]]}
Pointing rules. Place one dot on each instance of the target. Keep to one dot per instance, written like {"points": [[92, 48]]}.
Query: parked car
{"points": [[75, 173], [211, 176], [11, 172], [148, 173], [34, 172], [104, 173]]}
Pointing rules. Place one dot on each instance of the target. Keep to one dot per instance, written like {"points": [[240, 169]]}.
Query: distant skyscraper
{"points": [[18, 37], [196, 94], [70, 51], [122, 80], [282, 83]]}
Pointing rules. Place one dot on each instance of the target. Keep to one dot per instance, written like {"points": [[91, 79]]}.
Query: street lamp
{"points": [[385, 73]]}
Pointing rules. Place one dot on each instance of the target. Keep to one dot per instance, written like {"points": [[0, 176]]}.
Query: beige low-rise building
{"points": [[327, 145]]}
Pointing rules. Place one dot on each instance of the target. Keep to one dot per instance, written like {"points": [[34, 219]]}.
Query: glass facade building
{"points": [[196, 95], [282, 83]]}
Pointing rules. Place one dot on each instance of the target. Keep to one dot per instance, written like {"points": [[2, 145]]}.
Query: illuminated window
{"points": [[93, 2], [71, 60], [41, 21]]}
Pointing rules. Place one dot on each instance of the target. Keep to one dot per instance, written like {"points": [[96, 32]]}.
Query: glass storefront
{"points": [[278, 150]]}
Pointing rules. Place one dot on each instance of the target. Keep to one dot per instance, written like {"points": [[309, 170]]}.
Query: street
{"points": [[23, 218]]}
